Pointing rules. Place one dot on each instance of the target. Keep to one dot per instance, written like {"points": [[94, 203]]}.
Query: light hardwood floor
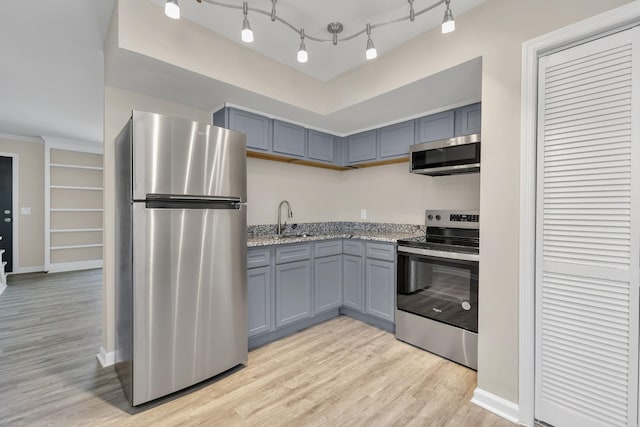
{"points": [[339, 373]]}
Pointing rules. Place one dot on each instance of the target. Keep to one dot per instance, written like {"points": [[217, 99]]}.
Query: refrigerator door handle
{"points": [[190, 198], [167, 201]]}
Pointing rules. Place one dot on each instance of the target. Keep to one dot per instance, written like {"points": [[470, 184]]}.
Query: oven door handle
{"points": [[439, 254]]}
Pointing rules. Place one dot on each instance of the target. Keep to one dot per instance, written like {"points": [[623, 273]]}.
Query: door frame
{"points": [[609, 22]]}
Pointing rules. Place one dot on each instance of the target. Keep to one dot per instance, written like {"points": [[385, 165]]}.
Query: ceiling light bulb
{"points": [[371, 52], [303, 56], [448, 23], [172, 9], [247, 32]]}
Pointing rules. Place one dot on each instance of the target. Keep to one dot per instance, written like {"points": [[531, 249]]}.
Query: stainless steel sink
{"points": [[294, 236]]}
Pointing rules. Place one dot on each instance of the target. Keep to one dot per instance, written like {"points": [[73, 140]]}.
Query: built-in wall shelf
{"points": [[70, 166], [74, 204], [76, 230], [90, 245], [73, 187]]}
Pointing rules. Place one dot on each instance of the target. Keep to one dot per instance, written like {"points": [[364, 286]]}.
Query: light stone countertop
{"points": [[257, 241]]}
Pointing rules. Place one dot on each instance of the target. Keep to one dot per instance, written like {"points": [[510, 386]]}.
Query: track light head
{"points": [[172, 9], [448, 23], [303, 55], [371, 52], [247, 33]]}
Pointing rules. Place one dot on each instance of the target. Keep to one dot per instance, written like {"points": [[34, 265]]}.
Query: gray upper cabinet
{"points": [[259, 300], [327, 283], [289, 139], [293, 292], [380, 289], [321, 146], [395, 140], [257, 128], [362, 147], [435, 127], [468, 119]]}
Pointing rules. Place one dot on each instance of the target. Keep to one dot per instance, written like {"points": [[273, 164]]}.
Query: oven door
{"points": [[439, 285]]}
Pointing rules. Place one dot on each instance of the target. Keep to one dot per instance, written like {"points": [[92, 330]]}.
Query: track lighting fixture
{"points": [[172, 9], [247, 32], [448, 23], [303, 56], [371, 52]]}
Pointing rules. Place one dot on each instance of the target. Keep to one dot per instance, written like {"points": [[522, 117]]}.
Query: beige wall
{"points": [[31, 194], [118, 106], [494, 31]]}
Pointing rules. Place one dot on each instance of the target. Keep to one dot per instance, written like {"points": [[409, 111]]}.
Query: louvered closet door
{"points": [[587, 267]]}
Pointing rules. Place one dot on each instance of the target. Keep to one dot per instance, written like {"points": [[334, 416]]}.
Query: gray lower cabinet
{"points": [[380, 289], [293, 292], [353, 282], [259, 300], [327, 283]]}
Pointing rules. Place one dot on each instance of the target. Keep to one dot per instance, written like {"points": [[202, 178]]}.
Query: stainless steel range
{"points": [[437, 287]]}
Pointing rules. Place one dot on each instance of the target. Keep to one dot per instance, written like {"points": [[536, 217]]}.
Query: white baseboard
{"points": [[2, 288], [74, 266], [23, 270], [501, 407], [106, 358]]}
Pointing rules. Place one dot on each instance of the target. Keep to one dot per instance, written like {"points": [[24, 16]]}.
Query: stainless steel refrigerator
{"points": [[180, 267]]}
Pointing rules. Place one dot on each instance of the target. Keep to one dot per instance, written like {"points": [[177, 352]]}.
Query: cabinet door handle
{"points": [[7, 220]]}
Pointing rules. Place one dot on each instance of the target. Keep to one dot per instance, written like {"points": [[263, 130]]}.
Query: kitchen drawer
{"points": [[353, 247], [382, 251], [290, 253], [258, 257], [332, 247]]}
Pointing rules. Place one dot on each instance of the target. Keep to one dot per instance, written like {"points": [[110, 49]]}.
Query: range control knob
{"points": [[437, 217], [430, 217]]}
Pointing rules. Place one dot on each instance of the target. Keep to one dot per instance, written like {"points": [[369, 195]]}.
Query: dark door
{"points": [[6, 210]]}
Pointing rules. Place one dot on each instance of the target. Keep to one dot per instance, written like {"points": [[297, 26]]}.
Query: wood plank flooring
{"points": [[339, 373]]}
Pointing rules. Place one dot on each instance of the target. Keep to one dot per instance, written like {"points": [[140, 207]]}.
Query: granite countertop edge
{"points": [[257, 241]]}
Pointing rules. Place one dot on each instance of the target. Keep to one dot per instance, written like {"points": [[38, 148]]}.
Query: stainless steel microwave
{"points": [[447, 156]]}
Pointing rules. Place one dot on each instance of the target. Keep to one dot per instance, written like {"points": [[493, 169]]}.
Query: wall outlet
{"points": [[25, 211], [363, 214]]}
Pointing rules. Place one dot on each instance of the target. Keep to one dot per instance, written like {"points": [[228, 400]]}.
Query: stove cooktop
{"points": [[422, 243]]}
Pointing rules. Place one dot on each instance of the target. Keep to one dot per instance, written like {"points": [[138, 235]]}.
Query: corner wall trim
{"points": [[106, 358], [496, 404]]}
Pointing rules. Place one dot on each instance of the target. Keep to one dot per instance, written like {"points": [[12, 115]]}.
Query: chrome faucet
{"points": [[289, 215]]}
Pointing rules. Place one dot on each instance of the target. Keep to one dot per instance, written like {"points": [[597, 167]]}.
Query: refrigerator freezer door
{"points": [[189, 297], [178, 156]]}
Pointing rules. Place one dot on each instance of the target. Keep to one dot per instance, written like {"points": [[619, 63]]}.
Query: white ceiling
{"points": [[275, 40], [51, 78]]}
